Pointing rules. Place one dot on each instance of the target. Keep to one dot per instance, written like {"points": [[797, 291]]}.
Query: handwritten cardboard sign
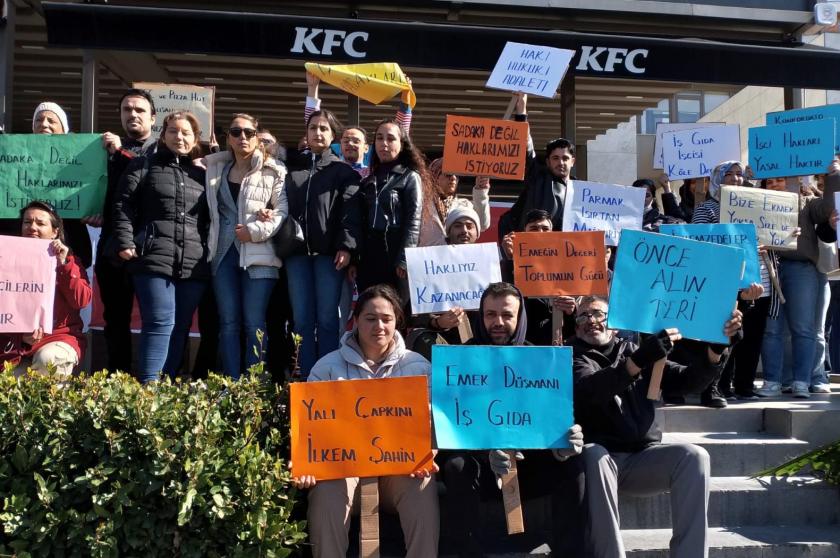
{"points": [[560, 263], [774, 214], [374, 82], [441, 277], [742, 236], [695, 153], [532, 69], [360, 428], [485, 147], [592, 206], [662, 281], [500, 397], [175, 97], [27, 284], [812, 114], [70, 171], [663, 128], [792, 149]]}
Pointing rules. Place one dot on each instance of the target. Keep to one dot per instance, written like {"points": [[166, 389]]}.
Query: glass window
{"points": [[653, 116], [711, 101], [688, 107]]}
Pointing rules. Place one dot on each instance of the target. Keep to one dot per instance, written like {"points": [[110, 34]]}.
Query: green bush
{"points": [[102, 466]]}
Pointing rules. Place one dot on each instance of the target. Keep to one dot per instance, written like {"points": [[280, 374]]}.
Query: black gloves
{"points": [[654, 348]]}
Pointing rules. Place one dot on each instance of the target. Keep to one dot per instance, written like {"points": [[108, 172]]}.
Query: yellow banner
{"points": [[375, 83]]}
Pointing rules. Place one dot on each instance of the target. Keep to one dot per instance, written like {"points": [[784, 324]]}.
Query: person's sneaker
{"points": [[769, 389], [711, 397], [800, 390], [787, 388], [820, 388]]}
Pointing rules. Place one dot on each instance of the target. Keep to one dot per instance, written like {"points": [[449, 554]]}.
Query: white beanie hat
{"points": [[52, 107], [458, 212]]}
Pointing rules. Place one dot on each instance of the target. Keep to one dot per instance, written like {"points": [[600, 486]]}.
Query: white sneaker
{"points": [[769, 389], [820, 388], [800, 390]]}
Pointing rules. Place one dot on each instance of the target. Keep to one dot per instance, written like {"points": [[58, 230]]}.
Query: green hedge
{"points": [[102, 466]]}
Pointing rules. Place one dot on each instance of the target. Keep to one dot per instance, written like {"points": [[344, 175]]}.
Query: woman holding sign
{"points": [[392, 197], [62, 349], [161, 223], [374, 349]]}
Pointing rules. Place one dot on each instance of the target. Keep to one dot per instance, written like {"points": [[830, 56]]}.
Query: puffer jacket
{"points": [[348, 362], [164, 216], [261, 187], [395, 205], [322, 192]]}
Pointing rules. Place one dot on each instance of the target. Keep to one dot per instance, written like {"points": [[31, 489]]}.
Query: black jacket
{"points": [[323, 196], [395, 205], [164, 216], [612, 407]]}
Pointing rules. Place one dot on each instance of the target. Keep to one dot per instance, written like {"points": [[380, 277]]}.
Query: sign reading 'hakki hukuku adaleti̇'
{"points": [[70, 171]]}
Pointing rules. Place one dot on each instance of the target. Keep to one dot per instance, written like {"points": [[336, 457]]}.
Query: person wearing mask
{"points": [[62, 349], [624, 450], [137, 115], [470, 476], [323, 196], [803, 285], [743, 361], [392, 199], [374, 349], [161, 222], [545, 186], [653, 218], [445, 198], [242, 181]]}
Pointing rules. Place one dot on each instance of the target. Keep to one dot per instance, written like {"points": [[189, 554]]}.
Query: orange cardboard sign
{"points": [[485, 147], [360, 428], [560, 263]]}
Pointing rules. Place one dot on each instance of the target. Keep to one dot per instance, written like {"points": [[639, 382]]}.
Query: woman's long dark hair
{"points": [[55, 219], [381, 291]]}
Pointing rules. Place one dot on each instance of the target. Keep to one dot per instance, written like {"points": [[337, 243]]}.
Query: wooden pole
{"points": [[556, 325], [369, 518], [512, 500], [656, 380], [510, 107], [465, 332]]}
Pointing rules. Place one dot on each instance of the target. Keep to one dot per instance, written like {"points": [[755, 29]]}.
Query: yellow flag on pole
{"points": [[375, 83]]}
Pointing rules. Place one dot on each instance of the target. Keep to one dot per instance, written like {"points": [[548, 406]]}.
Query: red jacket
{"points": [[72, 293]]}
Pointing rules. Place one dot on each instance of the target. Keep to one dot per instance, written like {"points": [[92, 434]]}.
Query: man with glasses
{"points": [[624, 452]]}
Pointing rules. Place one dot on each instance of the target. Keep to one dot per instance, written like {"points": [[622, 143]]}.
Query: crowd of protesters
{"points": [[278, 238]]}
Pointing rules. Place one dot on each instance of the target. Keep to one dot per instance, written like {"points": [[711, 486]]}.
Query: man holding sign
{"points": [[624, 450], [469, 475]]}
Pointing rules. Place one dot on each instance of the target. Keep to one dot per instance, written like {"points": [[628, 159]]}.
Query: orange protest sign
{"points": [[485, 147], [560, 263], [360, 428]]}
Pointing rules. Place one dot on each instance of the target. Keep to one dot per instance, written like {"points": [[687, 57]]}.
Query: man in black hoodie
{"points": [[624, 452], [471, 476]]}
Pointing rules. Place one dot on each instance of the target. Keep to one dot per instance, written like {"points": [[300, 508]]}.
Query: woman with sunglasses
{"points": [[445, 198], [161, 223], [242, 181]]}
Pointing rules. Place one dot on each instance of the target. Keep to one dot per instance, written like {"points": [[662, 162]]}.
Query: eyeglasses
{"points": [[597, 315], [265, 141], [249, 132]]}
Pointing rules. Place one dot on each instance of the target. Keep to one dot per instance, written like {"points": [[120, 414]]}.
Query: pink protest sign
{"points": [[27, 284]]}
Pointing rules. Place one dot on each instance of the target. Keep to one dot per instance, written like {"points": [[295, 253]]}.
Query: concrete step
{"points": [[815, 425], [744, 542], [741, 454], [694, 418], [745, 501]]}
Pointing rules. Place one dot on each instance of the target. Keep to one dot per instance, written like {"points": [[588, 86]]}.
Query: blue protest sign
{"points": [[792, 149], [825, 112], [741, 236], [663, 281], [501, 397]]}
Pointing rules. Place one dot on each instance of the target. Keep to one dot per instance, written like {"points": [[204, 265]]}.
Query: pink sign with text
{"points": [[27, 284]]}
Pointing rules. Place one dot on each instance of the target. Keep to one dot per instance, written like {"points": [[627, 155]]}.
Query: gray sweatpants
{"points": [[681, 469]]}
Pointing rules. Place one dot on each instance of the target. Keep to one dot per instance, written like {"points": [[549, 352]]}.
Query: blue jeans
{"points": [[819, 375], [315, 290], [242, 302], [166, 309], [800, 283]]}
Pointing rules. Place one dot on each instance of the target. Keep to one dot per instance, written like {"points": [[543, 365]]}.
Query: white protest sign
{"points": [[663, 128], [695, 153], [592, 206], [174, 97], [775, 214], [441, 277], [532, 69]]}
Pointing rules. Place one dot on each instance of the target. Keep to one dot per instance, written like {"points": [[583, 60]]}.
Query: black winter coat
{"points": [[396, 205], [612, 406], [323, 196], [165, 218]]}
